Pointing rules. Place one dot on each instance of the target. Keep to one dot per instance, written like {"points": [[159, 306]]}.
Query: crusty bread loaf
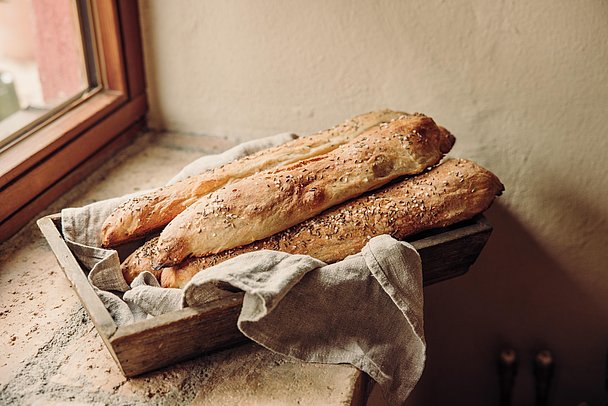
{"points": [[140, 260], [268, 202], [145, 214], [454, 191]]}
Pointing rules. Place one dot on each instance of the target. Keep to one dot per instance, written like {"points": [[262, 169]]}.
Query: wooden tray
{"points": [[164, 340]]}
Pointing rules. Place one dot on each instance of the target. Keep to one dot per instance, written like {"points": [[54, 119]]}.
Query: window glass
{"points": [[42, 62]]}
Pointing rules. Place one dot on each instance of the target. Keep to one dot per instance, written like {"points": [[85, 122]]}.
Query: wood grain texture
{"points": [[16, 221], [151, 344], [20, 157], [177, 336], [109, 42], [70, 266], [361, 389], [128, 12], [462, 243], [450, 253], [70, 156]]}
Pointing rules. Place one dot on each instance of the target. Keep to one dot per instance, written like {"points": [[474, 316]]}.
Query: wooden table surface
{"points": [[51, 353]]}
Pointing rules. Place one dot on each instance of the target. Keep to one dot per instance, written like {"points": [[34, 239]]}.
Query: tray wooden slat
{"points": [[178, 336], [169, 338], [101, 318]]}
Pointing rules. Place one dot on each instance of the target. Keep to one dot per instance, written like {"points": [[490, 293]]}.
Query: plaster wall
{"points": [[523, 85]]}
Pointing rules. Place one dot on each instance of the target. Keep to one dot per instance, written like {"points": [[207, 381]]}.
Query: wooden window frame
{"points": [[44, 165]]}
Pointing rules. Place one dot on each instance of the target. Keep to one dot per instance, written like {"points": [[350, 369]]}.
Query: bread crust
{"points": [[139, 261], [143, 215], [454, 191], [268, 202]]}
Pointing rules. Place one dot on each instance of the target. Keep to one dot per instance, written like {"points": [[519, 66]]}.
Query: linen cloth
{"points": [[365, 310], [81, 228]]}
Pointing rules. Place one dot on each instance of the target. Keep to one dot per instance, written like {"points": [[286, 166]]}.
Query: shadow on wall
{"points": [[515, 296]]}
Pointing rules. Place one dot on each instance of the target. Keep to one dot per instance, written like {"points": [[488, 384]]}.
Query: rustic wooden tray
{"points": [[145, 346]]}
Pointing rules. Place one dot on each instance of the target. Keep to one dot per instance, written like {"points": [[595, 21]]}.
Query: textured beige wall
{"points": [[523, 86]]}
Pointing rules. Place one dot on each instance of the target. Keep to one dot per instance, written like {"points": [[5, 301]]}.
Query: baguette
{"points": [[145, 214], [266, 203], [454, 191], [141, 260]]}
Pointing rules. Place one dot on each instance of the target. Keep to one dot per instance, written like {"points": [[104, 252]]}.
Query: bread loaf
{"points": [[141, 260], [454, 191], [145, 214], [268, 202]]}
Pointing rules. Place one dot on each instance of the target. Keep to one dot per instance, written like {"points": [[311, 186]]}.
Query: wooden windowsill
{"points": [[18, 120], [34, 148]]}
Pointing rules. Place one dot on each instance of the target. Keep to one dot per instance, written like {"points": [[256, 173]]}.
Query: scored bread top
{"points": [[454, 191], [142, 215], [268, 202]]}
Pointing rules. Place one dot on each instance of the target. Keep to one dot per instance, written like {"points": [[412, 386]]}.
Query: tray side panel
{"points": [[68, 263], [451, 254], [178, 336], [71, 268]]}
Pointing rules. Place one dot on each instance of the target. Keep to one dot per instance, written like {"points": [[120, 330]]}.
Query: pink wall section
{"points": [[16, 34], [58, 49]]}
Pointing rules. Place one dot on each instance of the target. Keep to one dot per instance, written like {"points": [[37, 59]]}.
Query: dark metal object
{"points": [[543, 365], [507, 369]]}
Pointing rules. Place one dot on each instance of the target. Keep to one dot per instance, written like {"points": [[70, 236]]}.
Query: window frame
{"points": [[44, 165]]}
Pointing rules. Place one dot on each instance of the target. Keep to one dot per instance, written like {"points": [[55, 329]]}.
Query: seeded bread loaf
{"points": [[454, 191], [269, 202], [141, 260], [145, 214]]}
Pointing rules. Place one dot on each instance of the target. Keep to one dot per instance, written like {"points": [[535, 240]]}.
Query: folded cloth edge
{"points": [[81, 226]]}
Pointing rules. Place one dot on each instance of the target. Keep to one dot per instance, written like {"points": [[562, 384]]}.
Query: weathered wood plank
{"points": [[97, 312], [450, 253], [99, 315], [178, 336], [17, 220]]}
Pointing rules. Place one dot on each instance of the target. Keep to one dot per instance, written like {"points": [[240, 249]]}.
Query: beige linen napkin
{"points": [[365, 310]]}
